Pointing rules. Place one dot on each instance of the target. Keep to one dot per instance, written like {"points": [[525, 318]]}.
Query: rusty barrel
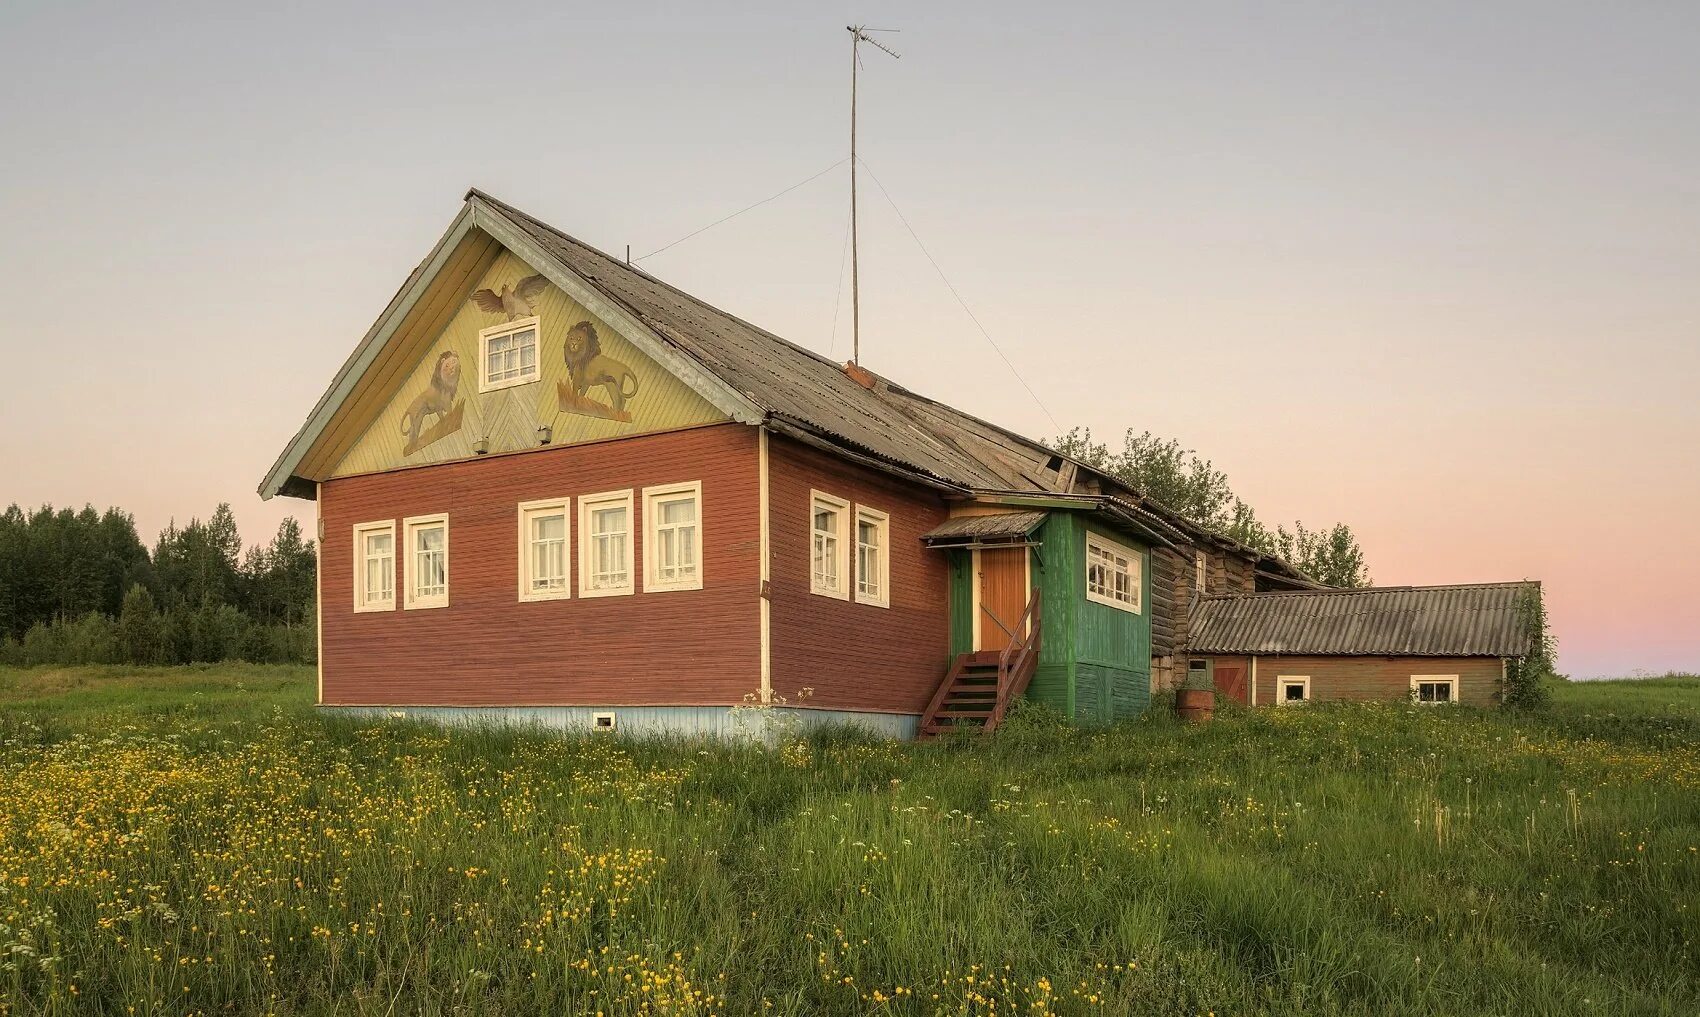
{"points": [[1195, 705]]}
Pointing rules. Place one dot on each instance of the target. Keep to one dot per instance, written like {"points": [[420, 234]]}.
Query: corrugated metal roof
{"points": [[1453, 621], [1004, 525]]}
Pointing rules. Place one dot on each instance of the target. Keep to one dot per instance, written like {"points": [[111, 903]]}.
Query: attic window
{"points": [[1054, 464], [508, 354]]}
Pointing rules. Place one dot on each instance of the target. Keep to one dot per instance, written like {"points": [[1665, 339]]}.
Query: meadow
{"points": [[183, 841]]}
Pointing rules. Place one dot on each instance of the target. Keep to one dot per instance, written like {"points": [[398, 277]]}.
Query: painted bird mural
{"points": [[513, 300]]}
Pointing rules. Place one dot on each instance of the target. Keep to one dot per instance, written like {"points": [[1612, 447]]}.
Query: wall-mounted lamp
{"points": [[481, 447], [543, 433]]}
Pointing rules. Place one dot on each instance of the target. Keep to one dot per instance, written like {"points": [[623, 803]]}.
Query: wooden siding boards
{"points": [[506, 419], [1094, 660], [855, 656], [1358, 678], [1113, 646], [691, 647]]}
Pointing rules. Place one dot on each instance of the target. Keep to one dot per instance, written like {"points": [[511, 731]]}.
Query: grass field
{"points": [[185, 842]]}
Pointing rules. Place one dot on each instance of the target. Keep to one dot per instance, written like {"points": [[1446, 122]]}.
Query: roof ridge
{"points": [[1359, 590], [657, 280]]}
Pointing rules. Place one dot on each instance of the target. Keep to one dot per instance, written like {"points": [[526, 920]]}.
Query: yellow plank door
{"points": [[1000, 595]]}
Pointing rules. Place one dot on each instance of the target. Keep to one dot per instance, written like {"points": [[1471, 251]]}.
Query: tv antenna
{"points": [[858, 35]]}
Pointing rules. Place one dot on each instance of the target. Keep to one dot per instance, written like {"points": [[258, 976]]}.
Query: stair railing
{"points": [[943, 690], [1018, 661]]}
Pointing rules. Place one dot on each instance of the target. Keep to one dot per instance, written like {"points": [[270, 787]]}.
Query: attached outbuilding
{"points": [[1431, 644]]}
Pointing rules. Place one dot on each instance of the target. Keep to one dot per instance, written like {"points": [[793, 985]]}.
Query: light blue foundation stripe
{"points": [[649, 721]]}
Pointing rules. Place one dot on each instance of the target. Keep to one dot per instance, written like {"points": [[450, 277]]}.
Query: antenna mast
{"points": [[858, 35]]}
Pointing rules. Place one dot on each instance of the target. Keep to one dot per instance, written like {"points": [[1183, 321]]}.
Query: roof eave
{"points": [[283, 469]]}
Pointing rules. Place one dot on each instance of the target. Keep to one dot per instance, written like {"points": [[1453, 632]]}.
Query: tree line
{"points": [[1195, 488], [80, 587]]}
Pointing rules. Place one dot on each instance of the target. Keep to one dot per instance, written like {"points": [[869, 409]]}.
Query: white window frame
{"points": [[588, 504], [1136, 573], [1200, 572], [1284, 680], [1450, 679], [882, 524], [652, 499], [527, 511], [485, 336], [841, 534], [410, 526], [361, 532]]}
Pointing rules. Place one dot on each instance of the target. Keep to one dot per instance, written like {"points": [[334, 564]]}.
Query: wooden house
{"points": [[1211, 564], [1432, 644], [552, 488]]}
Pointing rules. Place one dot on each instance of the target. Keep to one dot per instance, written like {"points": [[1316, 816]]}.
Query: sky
{"points": [[1429, 269]]}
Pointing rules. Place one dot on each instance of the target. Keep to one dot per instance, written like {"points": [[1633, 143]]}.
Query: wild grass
{"points": [[205, 842]]}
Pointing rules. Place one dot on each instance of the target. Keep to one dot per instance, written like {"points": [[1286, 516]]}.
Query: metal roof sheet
{"points": [[1452, 621], [1003, 525]]}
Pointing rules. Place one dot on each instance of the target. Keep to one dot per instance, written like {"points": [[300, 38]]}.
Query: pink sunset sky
{"points": [[1432, 270]]}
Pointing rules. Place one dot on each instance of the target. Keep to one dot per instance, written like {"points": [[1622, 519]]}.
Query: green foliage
{"points": [[1528, 681], [196, 601], [202, 841], [141, 636], [1163, 469], [1331, 557]]}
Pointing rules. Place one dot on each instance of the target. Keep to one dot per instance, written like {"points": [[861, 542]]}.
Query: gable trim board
{"points": [[281, 478], [479, 215]]}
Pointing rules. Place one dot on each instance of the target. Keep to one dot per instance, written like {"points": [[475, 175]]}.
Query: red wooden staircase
{"points": [[980, 686]]}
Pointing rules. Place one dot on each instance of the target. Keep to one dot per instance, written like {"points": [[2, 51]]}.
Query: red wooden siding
{"points": [[1358, 678], [691, 647], [854, 656]]}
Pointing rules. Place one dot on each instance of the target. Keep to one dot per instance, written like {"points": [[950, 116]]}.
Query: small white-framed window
{"points": [[507, 355], [829, 546], [672, 537], [1292, 688], [374, 566], [1434, 689], [544, 534], [605, 551], [1114, 574], [425, 565], [873, 557], [1200, 573]]}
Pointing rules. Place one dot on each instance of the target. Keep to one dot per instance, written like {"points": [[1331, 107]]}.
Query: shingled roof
{"points": [[1421, 621]]}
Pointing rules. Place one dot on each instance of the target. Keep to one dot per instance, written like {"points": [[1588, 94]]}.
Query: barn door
{"points": [[1000, 595], [1230, 682]]}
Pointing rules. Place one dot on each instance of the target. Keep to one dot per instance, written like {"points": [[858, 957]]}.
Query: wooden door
{"points": [[1230, 682], [1000, 595]]}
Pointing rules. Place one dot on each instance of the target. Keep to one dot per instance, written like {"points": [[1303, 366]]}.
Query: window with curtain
{"points": [[605, 544], [427, 564], [672, 546], [543, 550]]}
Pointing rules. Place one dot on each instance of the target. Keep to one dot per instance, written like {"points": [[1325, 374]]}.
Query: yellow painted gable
{"points": [[439, 414]]}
